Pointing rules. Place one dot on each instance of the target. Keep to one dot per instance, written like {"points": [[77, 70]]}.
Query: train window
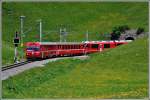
{"points": [[106, 45], [94, 45], [64, 46], [67, 47]]}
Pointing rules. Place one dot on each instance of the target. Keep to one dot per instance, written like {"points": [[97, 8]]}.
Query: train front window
{"points": [[33, 48]]}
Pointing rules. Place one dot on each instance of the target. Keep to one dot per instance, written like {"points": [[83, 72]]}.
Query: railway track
{"points": [[15, 65]]}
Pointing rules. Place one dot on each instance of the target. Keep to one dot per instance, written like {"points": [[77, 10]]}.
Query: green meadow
{"points": [[97, 18]]}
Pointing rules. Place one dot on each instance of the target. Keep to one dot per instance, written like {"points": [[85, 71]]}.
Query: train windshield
{"points": [[33, 48]]}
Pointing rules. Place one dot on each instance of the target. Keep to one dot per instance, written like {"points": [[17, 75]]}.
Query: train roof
{"points": [[75, 43], [54, 43], [59, 43]]}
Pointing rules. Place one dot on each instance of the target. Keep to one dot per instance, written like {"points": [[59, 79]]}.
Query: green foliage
{"points": [[116, 73], [140, 30], [123, 28], [118, 30]]}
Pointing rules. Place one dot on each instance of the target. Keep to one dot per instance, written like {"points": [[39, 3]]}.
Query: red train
{"points": [[53, 49]]}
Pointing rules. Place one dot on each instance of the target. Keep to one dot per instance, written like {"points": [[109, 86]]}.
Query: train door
{"points": [[86, 48], [100, 47], [42, 49]]}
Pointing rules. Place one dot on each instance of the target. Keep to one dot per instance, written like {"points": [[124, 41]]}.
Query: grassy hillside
{"points": [[78, 17], [117, 73]]}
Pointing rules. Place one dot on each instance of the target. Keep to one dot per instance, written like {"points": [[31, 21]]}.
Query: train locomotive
{"points": [[42, 50]]}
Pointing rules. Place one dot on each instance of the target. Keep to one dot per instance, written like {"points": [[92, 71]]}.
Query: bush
{"points": [[117, 31], [139, 30]]}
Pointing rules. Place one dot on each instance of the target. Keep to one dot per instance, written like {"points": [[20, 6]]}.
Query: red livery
{"points": [[52, 49]]}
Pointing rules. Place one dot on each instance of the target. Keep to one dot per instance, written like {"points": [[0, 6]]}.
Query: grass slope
{"points": [[117, 73], [96, 17]]}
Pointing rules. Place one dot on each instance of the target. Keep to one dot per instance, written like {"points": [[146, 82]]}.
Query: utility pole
{"points": [[60, 31], [64, 34], [87, 35], [16, 42], [21, 29], [40, 28]]}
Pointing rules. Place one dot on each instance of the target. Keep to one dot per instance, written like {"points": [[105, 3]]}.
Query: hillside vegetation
{"points": [[97, 18], [116, 73]]}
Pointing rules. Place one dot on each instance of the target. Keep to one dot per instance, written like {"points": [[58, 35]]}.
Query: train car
{"points": [[53, 49]]}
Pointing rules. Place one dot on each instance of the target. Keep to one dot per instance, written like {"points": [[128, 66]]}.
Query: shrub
{"points": [[139, 30]]}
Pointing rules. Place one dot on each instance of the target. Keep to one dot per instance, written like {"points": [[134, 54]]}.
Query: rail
{"points": [[15, 65]]}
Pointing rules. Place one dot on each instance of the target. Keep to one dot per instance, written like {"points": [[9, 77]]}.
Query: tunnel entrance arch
{"points": [[129, 38]]}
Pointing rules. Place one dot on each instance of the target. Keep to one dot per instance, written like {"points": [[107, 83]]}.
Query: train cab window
{"points": [[94, 45], [33, 48], [106, 45]]}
